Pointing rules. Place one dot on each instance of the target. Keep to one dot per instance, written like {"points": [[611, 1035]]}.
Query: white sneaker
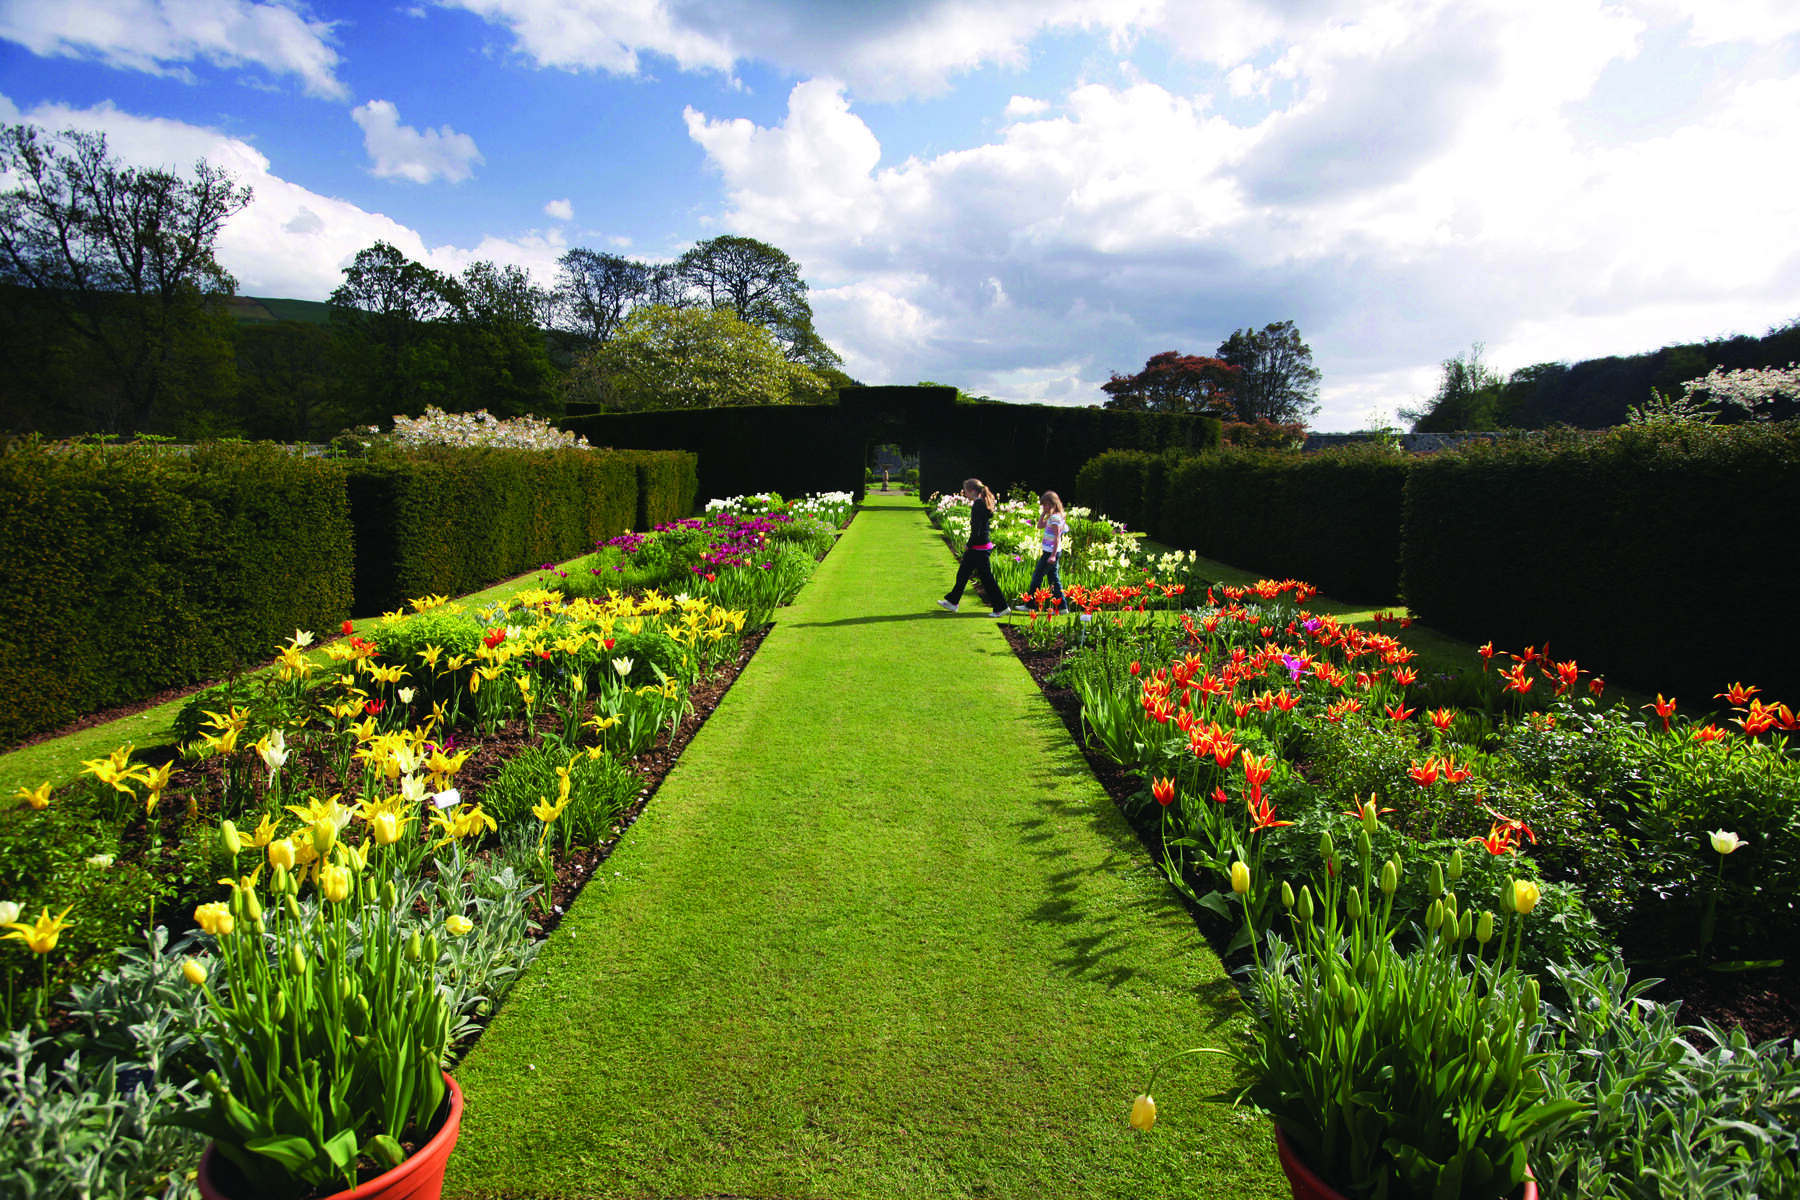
{"points": [[1001, 613], [946, 606]]}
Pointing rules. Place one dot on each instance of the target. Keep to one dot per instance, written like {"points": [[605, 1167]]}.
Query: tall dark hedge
{"points": [[1665, 560], [798, 449], [130, 570], [453, 521], [1128, 486], [1331, 518]]}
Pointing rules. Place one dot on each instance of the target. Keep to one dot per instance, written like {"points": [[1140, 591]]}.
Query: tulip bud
{"points": [[1240, 877], [1369, 821], [1348, 1002], [324, 836], [297, 960], [1390, 877], [1303, 908], [1456, 865], [415, 947], [1450, 905], [345, 991], [1525, 896], [281, 1005], [1436, 886], [1465, 927], [229, 840], [334, 883], [1143, 1113], [1506, 896], [431, 948], [1484, 1053], [1484, 928], [1532, 998], [1287, 895], [281, 854], [194, 971], [1365, 849], [278, 880], [293, 907], [385, 826], [389, 895], [1353, 904], [1434, 916], [1327, 848]]}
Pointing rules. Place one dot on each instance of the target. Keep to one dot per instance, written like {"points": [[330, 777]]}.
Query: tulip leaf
{"points": [[384, 1149], [294, 1154]]}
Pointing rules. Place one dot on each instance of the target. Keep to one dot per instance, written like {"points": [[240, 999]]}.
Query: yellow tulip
{"points": [[38, 797], [334, 883], [1240, 877], [281, 854], [215, 918], [1525, 895], [1723, 842], [457, 925], [385, 826], [41, 934], [194, 971], [1143, 1113]]}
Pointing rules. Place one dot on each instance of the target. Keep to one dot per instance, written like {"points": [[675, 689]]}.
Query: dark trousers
{"points": [[975, 565], [1047, 569]]}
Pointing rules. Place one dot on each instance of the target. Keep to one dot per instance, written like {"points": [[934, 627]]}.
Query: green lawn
{"points": [[880, 934]]}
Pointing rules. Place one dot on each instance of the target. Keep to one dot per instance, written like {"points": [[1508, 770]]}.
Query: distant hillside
{"points": [[260, 310]]}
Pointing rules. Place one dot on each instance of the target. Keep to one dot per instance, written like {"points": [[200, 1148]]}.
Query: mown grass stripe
{"points": [[880, 934]]}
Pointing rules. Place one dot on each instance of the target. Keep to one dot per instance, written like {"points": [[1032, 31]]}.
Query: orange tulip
{"points": [[1405, 676], [1738, 694], [1396, 712], [1709, 733], [1663, 709], [1426, 773], [1441, 718], [1163, 790]]}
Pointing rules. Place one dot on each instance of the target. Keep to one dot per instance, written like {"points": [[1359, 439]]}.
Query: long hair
{"points": [[987, 496], [1053, 500]]}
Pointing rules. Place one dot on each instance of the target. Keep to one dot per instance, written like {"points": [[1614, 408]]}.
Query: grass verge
{"points": [[882, 934]]}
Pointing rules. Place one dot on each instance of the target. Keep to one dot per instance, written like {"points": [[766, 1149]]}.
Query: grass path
{"points": [[880, 934]]}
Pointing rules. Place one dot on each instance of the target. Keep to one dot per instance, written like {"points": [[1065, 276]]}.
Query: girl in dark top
{"points": [[975, 555]]}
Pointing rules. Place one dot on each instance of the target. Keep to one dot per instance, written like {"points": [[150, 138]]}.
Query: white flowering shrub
{"points": [[1754, 390], [482, 429]]}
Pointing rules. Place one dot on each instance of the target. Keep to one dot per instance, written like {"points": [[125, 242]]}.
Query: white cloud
{"points": [[400, 151], [159, 36], [291, 241], [1419, 188], [1024, 106], [562, 210]]}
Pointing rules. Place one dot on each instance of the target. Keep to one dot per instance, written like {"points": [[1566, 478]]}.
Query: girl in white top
{"points": [[1056, 531]]}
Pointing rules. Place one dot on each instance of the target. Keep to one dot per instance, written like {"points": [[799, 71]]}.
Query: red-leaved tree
{"points": [[1177, 383]]}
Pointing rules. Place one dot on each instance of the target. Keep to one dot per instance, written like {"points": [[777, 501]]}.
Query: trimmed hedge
{"points": [[799, 449], [452, 521], [1664, 560], [134, 569], [668, 485], [1332, 518], [1126, 485]]}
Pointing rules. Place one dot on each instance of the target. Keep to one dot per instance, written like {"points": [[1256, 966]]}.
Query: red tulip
{"points": [[1163, 790]]}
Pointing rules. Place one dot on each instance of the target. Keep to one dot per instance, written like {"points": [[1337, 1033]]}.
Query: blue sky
{"points": [[1016, 196]]}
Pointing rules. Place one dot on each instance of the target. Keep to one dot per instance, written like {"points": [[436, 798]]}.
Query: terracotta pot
{"points": [[1307, 1186], [420, 1177]]}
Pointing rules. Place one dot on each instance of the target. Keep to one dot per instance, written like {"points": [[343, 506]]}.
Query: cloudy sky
{"points": [[1015, 196]]}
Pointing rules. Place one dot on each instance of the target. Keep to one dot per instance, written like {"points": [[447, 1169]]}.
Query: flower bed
{"points": [[443, 785], [1245, 730]]}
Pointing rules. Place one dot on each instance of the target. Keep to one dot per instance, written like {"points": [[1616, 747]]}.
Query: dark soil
{"points": [[1765, 1004]]}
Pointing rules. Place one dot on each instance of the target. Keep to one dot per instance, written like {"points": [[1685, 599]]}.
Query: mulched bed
{"points": [[1764, 1004]]}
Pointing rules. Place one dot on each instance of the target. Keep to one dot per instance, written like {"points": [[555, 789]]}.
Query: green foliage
{"points": [[599, 790], [1674, 1112], [1590, 543], [685, 358], [441, 520], [1332, 518], [139, 568]]}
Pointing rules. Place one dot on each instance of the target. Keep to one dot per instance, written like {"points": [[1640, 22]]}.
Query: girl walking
{"points": [[1056, 528], [975, 555]]}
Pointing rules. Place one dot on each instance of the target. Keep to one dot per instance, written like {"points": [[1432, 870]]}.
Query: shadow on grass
{"points": [[872, 619]]}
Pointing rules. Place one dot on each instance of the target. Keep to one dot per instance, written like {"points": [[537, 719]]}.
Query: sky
{"points": [[1019, 197]]}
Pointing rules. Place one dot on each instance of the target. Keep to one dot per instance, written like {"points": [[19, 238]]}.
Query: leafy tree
{"points": [[1468, 397], [678, 358], [287, 387], [123, 258], [594, 293], [498, 344], [391, 351], [762, 285], [1276, 377], [1177, 383]]}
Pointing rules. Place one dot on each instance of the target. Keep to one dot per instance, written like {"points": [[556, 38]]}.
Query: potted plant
{"points": [[1393, 1071], [327, 1038]]}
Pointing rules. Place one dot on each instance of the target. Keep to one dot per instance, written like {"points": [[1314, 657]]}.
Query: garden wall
{"points": [[453, 521], [131, 570], [797, 449], [1662, 560]]}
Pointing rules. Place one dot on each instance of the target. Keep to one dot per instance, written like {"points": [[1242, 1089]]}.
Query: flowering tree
{"points": [[1175, 382], [1755, 391], [663, 357]]}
